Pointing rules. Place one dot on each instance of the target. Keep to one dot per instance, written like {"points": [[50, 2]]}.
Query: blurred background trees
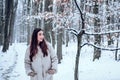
{"points": [[18, 18]]}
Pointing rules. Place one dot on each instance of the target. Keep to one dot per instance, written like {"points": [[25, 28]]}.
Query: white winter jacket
{"points": [[41, 64]]}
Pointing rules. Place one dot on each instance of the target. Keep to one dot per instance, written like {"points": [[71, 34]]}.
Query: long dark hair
{"points": [[34, 44]]}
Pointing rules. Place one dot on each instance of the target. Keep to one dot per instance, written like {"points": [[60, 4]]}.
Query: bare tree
{"points": [[8, 8], [79, 42], [59, 34], [1, 22], [97, 52], [61, 23], [12, 20], [28, 22], [97, 34], [48, 22]]}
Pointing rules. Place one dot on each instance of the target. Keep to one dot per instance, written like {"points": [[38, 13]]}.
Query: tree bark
{"points": [[35, 21], [12, 20], [79, 38], [59, 34], [59, 45], [53, 39], [8, 9], [97, 52], [67, 38], [1, 22], [48, 22], [28, 22], [117, 45]]}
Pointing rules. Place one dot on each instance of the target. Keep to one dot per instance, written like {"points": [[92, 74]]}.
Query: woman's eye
{"points": [[39, 34]]}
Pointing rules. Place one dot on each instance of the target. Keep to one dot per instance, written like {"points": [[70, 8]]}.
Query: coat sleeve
{"points": [[54, 59], [27, 62]]}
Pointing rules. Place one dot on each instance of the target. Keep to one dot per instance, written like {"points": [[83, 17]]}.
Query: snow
{"points": [[106, 68]]}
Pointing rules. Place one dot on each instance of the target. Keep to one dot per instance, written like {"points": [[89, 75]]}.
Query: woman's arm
{"points": [[27, 62], [54, 59]]}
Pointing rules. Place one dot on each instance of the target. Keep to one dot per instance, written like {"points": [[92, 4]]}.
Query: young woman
{"points": [[40, 58]]}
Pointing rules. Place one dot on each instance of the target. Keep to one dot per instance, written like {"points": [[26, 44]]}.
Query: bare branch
{"points": [[102, 33], [81, 14], [98, 47], [73, 31]]}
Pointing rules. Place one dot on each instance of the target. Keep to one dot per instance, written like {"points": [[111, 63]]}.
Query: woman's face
{"points": [[40, 36]]}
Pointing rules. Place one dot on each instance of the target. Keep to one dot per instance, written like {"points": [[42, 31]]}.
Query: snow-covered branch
{"points": [[81, 14], [102, 33], [73, 31], [99, 47]]}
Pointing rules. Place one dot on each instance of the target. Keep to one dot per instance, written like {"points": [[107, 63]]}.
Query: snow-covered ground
{"points": [[106, 68]]}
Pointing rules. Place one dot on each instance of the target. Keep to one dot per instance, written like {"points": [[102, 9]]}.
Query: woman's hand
{"points": [[32, 74], [51, 71]]}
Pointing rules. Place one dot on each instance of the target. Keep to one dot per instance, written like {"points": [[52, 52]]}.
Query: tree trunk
{"points": [[42, 10], [67, 38], [48, 22], [110, 40], [35, 21], [53, 24], [28, 22], [1, 22], [8, 9], [23, 29], [12, 21], [60, 9], [116, 52], [28, 33], [117, 45], [48, 29], [53, 39], [59, 45], [79, 39], [97, 52]]}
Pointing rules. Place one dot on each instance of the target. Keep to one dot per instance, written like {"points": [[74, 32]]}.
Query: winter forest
{"points": [[84, 33]]}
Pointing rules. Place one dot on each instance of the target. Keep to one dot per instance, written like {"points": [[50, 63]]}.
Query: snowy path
{"points": [[12, 65], [7, 63], [19, 71]]}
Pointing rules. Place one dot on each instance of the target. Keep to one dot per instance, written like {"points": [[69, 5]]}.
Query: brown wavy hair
{"points": [[34, 44]]}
